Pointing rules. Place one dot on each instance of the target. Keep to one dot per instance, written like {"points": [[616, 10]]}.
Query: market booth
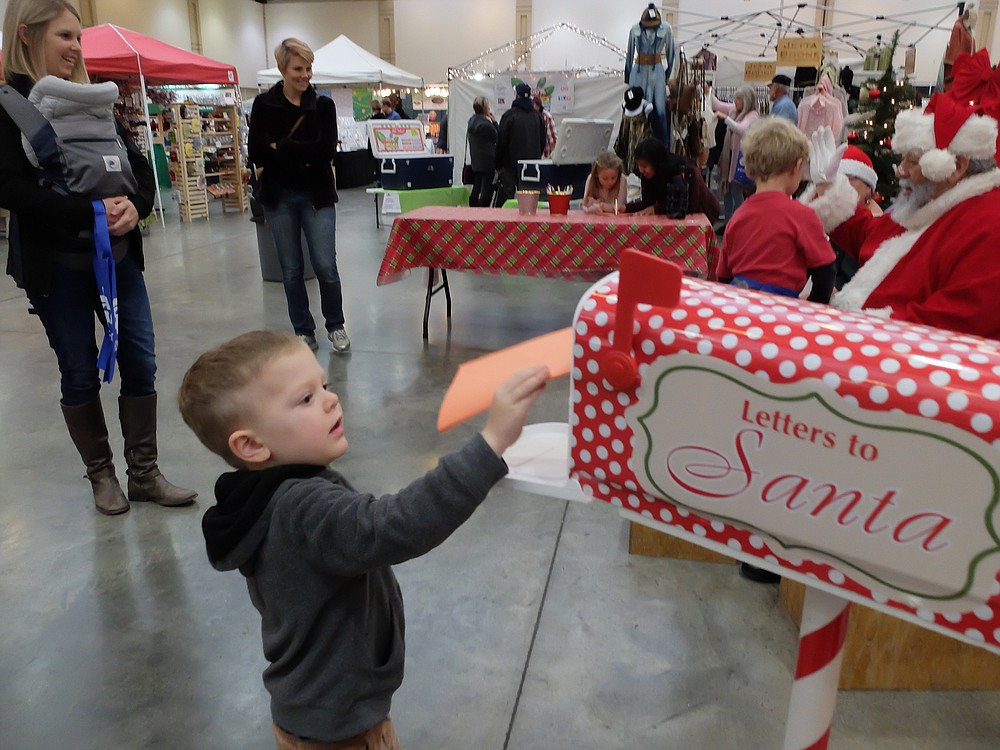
{"points": [[852, 454], [342, 64], [115, 53]]}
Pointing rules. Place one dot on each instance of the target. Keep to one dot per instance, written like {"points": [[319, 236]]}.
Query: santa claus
{"points": [[934, 258]]}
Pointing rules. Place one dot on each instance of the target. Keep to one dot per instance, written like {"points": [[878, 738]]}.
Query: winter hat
{"points": [[523, 91], [650, 17], [941, 131], [855, 163], [782, 80], [633, 101]]}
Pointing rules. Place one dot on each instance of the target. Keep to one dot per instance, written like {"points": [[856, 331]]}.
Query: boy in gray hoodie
{"points": [[316, 553]]}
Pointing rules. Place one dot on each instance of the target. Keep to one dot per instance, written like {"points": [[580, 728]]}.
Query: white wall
{"points": [[233, 32], [318, 23], [166, 20], [433, 35]]}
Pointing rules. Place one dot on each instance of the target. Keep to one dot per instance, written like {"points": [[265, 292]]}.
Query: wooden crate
{"points": [[642, 540]]}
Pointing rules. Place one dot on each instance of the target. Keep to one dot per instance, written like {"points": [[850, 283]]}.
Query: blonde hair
{"points": [[28, 57], [290, 48], [480, 105], [771, 146], [604, 160], [210, 394]]}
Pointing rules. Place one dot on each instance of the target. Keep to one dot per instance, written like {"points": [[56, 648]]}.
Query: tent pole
{"points": [[149, 128], [152, 153]]}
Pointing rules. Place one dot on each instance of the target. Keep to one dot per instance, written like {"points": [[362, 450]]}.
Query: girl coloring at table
{"points": [[606, 187]]}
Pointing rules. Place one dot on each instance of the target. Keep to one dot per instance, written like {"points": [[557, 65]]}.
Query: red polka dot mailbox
{"points": [[855, 453]]}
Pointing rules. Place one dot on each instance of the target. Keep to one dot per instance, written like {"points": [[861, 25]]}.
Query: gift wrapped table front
{"points": [[577, 246]]}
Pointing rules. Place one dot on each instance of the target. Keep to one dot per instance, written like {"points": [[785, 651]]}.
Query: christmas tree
{"points": [[873, 125]]}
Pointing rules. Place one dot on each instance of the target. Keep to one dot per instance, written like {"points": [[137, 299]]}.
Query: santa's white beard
{"points": [[912, 197]]}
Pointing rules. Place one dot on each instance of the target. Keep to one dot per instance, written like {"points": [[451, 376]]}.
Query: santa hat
{"points": [[855, 163], [941, 131]]}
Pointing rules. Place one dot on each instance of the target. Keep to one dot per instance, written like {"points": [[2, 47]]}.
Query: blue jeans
{"points": [[733, 199], [68, 311], [287, 219]]}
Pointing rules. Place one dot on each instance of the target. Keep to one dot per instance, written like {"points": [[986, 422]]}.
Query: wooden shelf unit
{"points": [[187, 160], [225, 164]]}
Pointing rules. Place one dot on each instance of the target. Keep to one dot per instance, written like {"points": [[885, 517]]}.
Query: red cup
{"points": [[559, 204]]}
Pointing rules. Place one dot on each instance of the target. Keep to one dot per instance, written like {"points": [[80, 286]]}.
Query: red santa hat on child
{"points": [[941, 131], [855, 163]]}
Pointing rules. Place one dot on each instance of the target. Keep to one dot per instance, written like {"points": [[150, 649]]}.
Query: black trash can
{"points": [[270, 268]]}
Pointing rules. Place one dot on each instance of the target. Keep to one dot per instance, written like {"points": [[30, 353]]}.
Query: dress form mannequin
{"points": [[961, 40], [648, 63]]}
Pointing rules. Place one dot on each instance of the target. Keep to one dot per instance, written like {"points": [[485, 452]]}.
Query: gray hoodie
{"points": [[316, 555]]}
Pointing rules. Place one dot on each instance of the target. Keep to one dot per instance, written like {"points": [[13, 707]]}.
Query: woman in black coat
{"points": [[482, 136]]}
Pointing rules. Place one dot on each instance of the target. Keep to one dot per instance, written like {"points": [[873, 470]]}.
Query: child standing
{"points": [[606, 187], [773, 243], [315, 551]]}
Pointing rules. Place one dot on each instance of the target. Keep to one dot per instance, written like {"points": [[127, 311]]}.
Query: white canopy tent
{"points": [[344, 63], [598, 90]]}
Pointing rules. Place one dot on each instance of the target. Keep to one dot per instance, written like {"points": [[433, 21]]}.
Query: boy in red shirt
{"points": [[771, 244]]}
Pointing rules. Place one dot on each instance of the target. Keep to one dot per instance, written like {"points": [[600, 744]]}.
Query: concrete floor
{"points": [[531, 627]]}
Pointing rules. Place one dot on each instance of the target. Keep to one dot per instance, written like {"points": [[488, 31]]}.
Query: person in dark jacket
{"points": [[316, 553], [51, 256], [482, 136], [293, 139], [521, 136], [663, 176]]}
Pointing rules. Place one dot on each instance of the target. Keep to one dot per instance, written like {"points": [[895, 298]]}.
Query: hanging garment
{"points": [[704, 59], [634, 128], [648, 64], [822, 108]]}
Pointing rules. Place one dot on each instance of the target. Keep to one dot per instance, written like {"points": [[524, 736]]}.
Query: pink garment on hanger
{"points": [[821, 108]]}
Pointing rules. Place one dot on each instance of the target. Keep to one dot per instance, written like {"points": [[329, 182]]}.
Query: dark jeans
{"points": [[287, 219], [482, 189], [68, 314]]}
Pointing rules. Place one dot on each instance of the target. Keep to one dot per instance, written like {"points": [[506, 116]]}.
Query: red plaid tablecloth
{"points": [[576, 246]]}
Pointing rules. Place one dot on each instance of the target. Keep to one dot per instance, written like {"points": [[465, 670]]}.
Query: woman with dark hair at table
{"points": [[481, 133]]}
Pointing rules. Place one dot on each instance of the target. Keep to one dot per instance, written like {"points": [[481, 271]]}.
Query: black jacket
{"points": [[303, 161], [521, 135], [482, 136], [45, 221]]}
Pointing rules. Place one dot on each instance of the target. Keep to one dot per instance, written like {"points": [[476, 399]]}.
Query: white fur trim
{"points": [[854, 168], [835, 206], [937, 165], [966, 188], [878, 312], [977, 138], [915, 132], [856, 291]]}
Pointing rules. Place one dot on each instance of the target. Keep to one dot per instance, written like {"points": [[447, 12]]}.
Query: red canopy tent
{"points": [[114, 52], [118, 53]]}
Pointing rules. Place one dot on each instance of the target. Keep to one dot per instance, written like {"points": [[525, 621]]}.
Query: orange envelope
{"points": [[471, 391]]}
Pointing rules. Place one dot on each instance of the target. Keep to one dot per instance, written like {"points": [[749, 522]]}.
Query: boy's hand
{"points": [[511, 403], [824, 155]]}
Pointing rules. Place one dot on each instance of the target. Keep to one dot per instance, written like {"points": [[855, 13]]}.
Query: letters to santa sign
{"points": [[859, 452]]}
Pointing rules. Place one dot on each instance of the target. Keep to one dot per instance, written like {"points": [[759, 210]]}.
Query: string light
{"points": [[473, 68]]}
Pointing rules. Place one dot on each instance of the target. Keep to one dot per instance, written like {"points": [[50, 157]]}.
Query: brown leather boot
{"points": [[145, 482], [90, 436]]}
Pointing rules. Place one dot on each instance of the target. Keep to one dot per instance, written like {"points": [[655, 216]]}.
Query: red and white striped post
{"points": [[817, 672]]}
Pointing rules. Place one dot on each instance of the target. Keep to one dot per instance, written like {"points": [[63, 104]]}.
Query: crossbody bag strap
{"points": [[35, 128]]}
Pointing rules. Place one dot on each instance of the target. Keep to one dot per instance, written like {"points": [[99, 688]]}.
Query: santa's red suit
{"points": [[941, 267]]}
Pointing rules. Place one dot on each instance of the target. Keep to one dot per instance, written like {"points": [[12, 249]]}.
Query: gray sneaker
{"points": [[309, 340], [340, 340]]}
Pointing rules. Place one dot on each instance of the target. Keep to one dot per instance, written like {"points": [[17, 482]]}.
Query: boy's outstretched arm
{"points": [[511, 403]]}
